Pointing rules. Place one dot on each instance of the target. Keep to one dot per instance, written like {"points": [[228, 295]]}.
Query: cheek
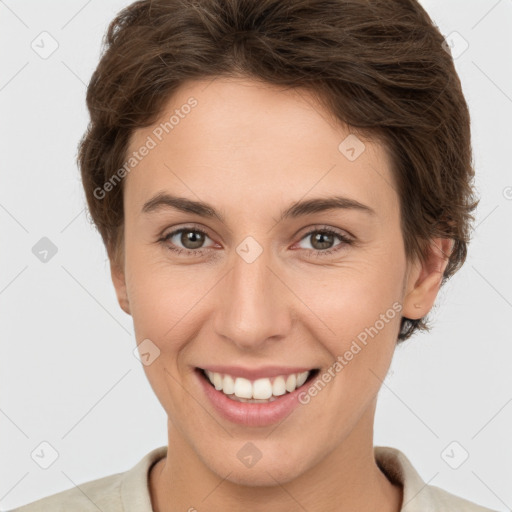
{"points": [[349, 298], [165, 299], [357, 313], [359, 308], [162, 302]]}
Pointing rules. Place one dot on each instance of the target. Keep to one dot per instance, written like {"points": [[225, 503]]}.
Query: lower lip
{"points": [[251, 414]]}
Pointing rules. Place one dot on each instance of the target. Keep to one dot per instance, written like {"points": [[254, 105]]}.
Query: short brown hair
{"points": [[381, 67]]}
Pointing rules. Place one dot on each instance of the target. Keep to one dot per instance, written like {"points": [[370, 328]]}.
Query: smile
{"points": [[233, 392], [257, 391]]}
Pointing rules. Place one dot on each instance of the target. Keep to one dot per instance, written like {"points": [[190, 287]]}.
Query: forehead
{"points": [[225, 139]]}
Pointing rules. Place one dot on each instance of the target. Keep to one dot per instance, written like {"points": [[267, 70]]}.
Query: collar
{"points": [[392, 462]]}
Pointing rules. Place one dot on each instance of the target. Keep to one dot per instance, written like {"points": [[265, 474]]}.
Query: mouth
{"points": [[258, 391]]}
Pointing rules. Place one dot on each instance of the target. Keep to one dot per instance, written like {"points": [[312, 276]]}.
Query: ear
{"points": [[118, 278], [424, 279]]}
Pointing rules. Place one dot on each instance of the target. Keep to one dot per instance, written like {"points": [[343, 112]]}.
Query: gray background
{"points": [[68, 375]]}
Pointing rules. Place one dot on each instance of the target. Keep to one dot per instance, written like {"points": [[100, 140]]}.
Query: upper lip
{"points": [[256, 373]]}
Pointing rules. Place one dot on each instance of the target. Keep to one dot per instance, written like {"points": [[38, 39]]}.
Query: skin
{"points": [[250, 150]]}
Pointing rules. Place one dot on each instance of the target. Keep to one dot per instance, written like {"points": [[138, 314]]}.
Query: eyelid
{"points": [[191, 227], [324, 227]]}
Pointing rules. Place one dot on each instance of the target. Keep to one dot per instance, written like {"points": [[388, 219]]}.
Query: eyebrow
{"points": [[163, 200]]}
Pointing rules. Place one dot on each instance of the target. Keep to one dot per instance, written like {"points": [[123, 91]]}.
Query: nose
{"points": [[255, 306]]}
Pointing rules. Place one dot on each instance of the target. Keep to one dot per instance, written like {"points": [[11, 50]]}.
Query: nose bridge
{"points": [[253, 306]]}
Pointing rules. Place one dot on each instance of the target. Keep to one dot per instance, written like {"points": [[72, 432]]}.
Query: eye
{"points": [[321, 240], [190, 238]]}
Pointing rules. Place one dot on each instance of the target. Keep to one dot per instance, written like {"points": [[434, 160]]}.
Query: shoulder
{"points": [[418, 496], [120, 492], [446, 501], [103, 494]]}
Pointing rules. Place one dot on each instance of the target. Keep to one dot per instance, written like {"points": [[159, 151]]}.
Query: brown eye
{"points": [[322, 240], [192, 239]]}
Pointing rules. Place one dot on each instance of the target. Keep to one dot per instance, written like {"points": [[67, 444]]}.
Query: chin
{"points": [[267, 475], [267, 471]]}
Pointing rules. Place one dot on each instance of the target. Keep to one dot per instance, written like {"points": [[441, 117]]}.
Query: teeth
{"points": [[301, 378], [217, 381], [291, 382], [252, 400], [228, 385], [244, 390], [279, 386], [262, 389]]}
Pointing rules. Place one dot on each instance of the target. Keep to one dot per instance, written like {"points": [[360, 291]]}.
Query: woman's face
{"points": [[260, 290]]}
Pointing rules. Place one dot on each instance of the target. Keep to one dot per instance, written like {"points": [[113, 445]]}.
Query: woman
{"points": [[282, 189]]}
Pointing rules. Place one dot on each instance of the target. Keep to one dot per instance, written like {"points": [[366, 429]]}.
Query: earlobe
{"points": [[119, 281], [424, 279]]}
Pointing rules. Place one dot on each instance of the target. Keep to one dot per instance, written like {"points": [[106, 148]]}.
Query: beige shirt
{"points": [[129, 492]]}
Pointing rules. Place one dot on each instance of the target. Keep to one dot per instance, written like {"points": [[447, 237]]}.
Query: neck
{"points": [[346, 479]]}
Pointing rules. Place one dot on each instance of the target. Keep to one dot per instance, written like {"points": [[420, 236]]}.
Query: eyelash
{"points": [[316, 252]]}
